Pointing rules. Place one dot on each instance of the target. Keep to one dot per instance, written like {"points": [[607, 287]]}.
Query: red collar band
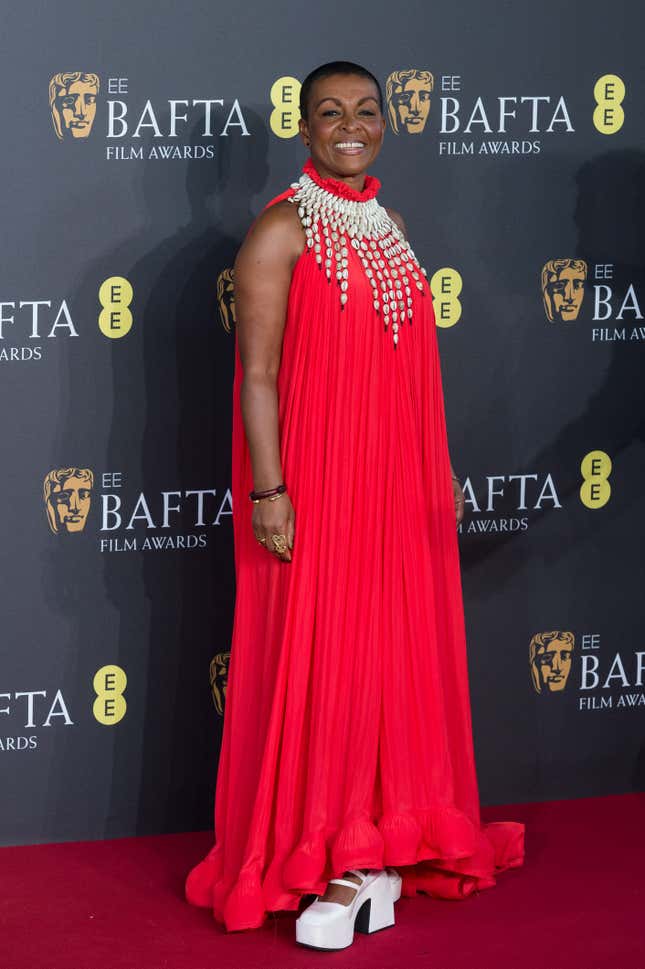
{"points": [[341, 189]]}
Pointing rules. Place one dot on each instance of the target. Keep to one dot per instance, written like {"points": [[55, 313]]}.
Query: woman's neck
{"points": [[355, 188], [357, 182]]}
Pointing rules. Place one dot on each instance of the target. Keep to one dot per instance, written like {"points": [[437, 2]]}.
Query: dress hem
{"points": [[439, 852]]}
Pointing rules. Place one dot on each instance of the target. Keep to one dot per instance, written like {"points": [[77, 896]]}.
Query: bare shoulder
{"points": [[398, 218], [276, 234]]}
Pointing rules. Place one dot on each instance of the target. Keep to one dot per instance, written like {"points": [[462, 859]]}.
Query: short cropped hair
{"points": [[329, 70]]}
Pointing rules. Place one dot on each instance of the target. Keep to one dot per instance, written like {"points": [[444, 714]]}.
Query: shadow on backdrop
{"points": [[172, 378], [610, 220]]}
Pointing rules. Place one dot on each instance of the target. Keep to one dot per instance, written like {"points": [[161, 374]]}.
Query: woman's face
{"points": [[344, 125]]}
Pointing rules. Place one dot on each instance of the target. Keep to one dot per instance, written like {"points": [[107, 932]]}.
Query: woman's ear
{"points": [[303, 128]]}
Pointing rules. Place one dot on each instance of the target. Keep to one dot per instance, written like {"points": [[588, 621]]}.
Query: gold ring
{"points": [[279, 543], [262, 541]]}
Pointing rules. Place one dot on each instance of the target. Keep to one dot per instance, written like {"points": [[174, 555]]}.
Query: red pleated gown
{"points": [[347, 729]]}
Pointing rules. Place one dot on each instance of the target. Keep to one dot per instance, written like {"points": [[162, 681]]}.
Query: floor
{"points": [[578, 903]]}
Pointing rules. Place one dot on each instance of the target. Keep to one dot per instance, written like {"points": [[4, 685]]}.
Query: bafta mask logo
{"points": [[219, 679], [67, 497], [563, 289], [226, 299], [408, 100], [550, 661], [72, 102]]}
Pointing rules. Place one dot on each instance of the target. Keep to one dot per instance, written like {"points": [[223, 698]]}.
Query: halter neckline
{"points": [[341, 189]]}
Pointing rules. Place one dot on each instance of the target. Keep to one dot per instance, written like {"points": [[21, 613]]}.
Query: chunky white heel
{"points": [[395, 883], [330, 925]]}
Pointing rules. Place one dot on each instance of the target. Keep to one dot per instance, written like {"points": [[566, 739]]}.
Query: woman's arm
{"points": [[263, 269]]}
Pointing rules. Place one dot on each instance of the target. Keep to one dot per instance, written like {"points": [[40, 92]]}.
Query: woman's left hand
{"points": [[459, 500]]}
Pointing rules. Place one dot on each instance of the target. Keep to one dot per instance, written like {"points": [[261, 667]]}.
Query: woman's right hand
{"points": [[274, 518]]}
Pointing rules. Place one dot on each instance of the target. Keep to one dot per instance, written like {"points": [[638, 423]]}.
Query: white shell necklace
{"points": [[332, 223]]}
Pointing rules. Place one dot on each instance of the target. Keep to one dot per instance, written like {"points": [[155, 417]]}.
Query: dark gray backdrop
{"points": [[525, 396]]}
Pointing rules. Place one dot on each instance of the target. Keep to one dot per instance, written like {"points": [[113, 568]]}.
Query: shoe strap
{"points": [[359, 874], [344, 881]]}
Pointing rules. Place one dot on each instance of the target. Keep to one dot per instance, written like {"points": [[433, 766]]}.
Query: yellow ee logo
{"points": [[446, 285], [109, 685], [595, 490], [285, 98], [609, 92], [115, 296]]}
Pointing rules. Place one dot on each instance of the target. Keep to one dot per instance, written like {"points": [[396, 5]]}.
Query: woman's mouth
{"points": [[350, 147]]}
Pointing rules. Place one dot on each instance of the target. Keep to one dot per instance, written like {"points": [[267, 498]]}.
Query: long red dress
{"points": [[347, 729]]}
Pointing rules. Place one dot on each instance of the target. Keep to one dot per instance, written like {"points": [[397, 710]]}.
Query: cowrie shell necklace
{"points": [[333, 223]]}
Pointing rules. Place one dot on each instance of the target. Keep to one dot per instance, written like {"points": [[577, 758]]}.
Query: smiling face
{"points": [[344, 126]]}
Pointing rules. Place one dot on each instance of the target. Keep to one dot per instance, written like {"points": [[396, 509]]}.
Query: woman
{"points": [[347, 734]]}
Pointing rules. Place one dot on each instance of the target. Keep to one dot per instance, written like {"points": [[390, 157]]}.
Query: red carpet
{"points": [[578, 902]]}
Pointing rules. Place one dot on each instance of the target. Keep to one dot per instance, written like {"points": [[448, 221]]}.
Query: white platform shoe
{"points": [[396, 883], [330, 925]]}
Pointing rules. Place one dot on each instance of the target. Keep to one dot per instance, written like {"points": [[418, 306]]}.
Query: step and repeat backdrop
{"points": [[138, 144]]}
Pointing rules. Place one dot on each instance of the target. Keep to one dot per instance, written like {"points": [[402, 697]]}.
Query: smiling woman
{"points": [[342, 123], [347, 741]]}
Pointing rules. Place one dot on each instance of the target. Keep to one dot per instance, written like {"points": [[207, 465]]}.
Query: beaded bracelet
{"points": [[257, 496]]}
